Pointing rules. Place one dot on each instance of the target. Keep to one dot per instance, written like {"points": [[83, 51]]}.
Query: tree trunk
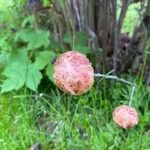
{"points": [[105, 29], [95, 17], [136, 49], [98, 19]]}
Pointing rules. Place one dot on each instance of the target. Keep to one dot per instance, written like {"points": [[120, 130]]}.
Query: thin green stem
{"points": [[131, 96], [73, 41]]}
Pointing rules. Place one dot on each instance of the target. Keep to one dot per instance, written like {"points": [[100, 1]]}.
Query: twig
{"points": [[121, 80], [115, 37], [125, 5], [113, 78]]}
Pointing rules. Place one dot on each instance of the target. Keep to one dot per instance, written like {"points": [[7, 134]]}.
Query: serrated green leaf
{"points": [[43, 59], [35, 39], [19, 72], [4, 44], [38, 39], [50, 71], [22, 35], [15, 74], [20, 56], [7, 86], [18, 75], [15, 71], [34, 77], [82, 49]]}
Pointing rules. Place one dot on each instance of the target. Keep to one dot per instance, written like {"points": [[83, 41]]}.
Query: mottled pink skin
{"points": [[73, 73], [125, 116]]}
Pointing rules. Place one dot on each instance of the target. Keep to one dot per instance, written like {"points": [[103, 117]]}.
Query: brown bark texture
{"points": [[98, 19]]}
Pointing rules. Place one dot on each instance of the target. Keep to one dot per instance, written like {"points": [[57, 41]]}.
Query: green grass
{"points": [[61, 121]]}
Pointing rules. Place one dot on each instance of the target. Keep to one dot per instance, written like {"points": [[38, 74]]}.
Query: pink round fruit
{"points": [[73, 73], [125, 116]]}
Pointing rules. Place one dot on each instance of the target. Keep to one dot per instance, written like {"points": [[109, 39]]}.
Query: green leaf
{"points": [[68, 38], [7, 86], [82, 49], [29, 19], [35, 39], [81, 38], [19, 72], [3, 58], [20, 56], [4, 16], [15, 74], [23, 35], [5, 45], [34, 77], [38, 39], [43, 59], [50, 71]]}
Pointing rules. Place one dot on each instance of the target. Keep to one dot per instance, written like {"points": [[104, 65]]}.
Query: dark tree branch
{"points": [[115, 37], [125, 5]]}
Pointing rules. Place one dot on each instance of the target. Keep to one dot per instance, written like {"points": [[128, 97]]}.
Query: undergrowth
{"points": [[61, 121]]}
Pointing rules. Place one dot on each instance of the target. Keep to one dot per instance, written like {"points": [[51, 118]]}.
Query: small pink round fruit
{"points": [[73, 73], [125, 116]]}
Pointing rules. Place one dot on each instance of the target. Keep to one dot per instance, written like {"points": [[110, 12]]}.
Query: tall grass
{"points": [[60, 121]]}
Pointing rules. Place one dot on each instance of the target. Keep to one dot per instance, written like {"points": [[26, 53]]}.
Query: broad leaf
{"points": [[43, 59], [15, 74], [19, 72], [35, 39], [82, 49], [20, 56], [3, 58], [38, 39], [34, 77], [50, 71]]}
